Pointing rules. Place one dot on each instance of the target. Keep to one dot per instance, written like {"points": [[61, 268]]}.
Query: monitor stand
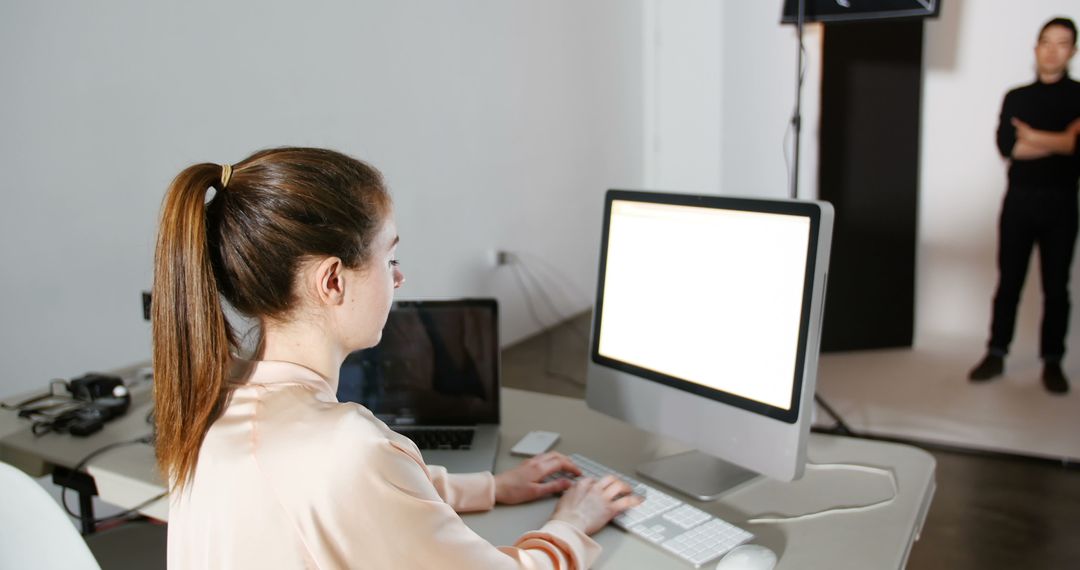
{"points": [[701, 476]]}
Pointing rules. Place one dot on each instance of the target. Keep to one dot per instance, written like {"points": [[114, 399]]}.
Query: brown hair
{"points": [[244, 244], [1064, 23]]}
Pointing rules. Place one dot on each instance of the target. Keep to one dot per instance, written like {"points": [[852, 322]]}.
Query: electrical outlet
{"points": [[499, 257]]}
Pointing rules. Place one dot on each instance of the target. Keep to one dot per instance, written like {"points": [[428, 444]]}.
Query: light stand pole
{"points": [[796, 121]]}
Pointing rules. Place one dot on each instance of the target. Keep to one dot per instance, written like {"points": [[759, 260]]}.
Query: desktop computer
{"points": [[706, 330]]}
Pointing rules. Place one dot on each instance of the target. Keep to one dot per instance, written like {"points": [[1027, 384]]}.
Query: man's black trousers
{"points": [[1030, 216]]}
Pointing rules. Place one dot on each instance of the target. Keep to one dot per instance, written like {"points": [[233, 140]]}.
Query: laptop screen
{"points": [[437, 364]]}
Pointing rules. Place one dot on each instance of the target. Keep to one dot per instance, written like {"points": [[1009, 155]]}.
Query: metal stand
{"points": [[796, 121], [699, 475], [83, 484]]}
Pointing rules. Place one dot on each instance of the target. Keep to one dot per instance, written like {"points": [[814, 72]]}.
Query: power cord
{"points": [[146, 439], [519, 270], [842, 509], [20, 406], [560, 280], [840, 427], [551, 304]]}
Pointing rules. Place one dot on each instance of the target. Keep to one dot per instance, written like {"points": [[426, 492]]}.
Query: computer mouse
{"points": [[748, 557]]}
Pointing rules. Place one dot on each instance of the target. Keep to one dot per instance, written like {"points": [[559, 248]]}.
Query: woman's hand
{"points": [[591, 503], [524, 483]]}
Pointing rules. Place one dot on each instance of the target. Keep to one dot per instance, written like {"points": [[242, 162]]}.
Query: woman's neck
{"points": [[304, 344]]}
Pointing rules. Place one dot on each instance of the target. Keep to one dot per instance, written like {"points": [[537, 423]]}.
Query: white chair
{"points": [[35, 532]]}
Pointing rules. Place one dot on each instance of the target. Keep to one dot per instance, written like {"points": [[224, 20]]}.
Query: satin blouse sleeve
{"points": [[408, 518], [464, 492]]}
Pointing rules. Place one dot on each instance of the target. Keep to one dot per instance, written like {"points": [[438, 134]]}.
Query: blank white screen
{"points": [[710, 296]]}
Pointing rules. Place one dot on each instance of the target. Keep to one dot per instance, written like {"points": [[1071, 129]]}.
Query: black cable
{"points": [[126, 513], [52, 422], [841, 427], [32, 399]]}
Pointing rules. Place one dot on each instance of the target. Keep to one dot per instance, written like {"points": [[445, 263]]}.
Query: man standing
{"points": [[1038, 132]]}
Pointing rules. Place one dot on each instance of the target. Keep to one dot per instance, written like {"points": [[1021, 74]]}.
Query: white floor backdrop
{"points": [[923, 394]]}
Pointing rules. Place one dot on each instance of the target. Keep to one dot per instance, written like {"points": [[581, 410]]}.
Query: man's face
{"points": [[1055, 48]]}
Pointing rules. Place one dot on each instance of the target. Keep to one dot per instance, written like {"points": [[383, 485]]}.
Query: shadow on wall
{"points": [[942, 48]]}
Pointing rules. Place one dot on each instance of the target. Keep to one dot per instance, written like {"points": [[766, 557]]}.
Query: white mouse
{"points": [[748, 557]]}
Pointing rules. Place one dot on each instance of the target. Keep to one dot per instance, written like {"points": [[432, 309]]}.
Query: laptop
{"points": [[434, 378]]}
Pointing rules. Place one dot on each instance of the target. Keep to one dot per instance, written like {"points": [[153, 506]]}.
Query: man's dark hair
{"points": [[1064, 23]]}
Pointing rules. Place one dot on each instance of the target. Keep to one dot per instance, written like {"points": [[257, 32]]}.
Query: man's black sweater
{"points": [[1046, 107]]}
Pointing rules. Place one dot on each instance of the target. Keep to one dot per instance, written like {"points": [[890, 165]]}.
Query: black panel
{"points": [[869, 170], [859, 10]]}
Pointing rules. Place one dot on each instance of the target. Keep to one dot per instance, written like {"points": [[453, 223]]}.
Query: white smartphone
{"points": [[534, 443]]}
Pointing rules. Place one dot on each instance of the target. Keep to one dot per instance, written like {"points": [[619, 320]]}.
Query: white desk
{"points": [[880, 538]]}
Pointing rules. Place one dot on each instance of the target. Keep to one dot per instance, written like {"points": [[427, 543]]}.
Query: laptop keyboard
{"points": [[440, 438]]}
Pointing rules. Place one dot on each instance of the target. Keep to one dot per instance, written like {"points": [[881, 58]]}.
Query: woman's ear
{"points": [[330, 281]]}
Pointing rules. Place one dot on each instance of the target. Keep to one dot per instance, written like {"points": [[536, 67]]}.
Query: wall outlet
{"points": [[499, 258]]}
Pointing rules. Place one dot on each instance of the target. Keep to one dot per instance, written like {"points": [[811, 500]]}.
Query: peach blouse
{"points": [[288, 477]]}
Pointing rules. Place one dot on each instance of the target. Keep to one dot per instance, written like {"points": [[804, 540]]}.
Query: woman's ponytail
{"points": [[191, 337]]}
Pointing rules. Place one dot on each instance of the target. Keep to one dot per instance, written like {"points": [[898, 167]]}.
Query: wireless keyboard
{"points": [[685, 531]]}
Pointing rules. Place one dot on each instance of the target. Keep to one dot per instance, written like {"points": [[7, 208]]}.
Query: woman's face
{"points": [[368, 301]]}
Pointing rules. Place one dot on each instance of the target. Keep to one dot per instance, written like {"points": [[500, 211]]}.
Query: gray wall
{"points": [[498, 124]]}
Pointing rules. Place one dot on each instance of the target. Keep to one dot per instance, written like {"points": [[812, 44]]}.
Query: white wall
{"points": [[974, 53], [760, 59], [683, 95], [498, 124], [719, 96]]}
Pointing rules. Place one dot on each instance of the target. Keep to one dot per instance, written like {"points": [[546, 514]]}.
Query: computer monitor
{"points": [[706, 330]]}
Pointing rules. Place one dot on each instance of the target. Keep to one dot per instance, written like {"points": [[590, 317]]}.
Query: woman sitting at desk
{"points": [[267, 469]]}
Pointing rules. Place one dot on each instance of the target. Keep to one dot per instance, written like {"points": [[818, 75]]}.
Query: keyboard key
{"points": [[687, 516]]}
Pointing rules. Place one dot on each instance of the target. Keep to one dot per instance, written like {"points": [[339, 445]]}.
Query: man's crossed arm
{"points": [[1033, 143]]}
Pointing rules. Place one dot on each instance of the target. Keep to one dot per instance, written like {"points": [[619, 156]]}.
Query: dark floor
{"points": [[989, 512]]}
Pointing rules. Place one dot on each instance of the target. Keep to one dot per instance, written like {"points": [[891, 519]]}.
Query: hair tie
{"points": [[226, 174]]}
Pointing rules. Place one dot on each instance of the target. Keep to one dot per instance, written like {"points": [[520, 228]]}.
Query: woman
{"points": [[267, 469]]}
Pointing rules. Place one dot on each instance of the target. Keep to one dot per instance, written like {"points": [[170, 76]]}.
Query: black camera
{"points": [[107, 398], [95, 399]]}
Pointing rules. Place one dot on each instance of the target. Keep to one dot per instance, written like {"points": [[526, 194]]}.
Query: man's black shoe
{"points": [[1054, 378], [991, 367]]}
